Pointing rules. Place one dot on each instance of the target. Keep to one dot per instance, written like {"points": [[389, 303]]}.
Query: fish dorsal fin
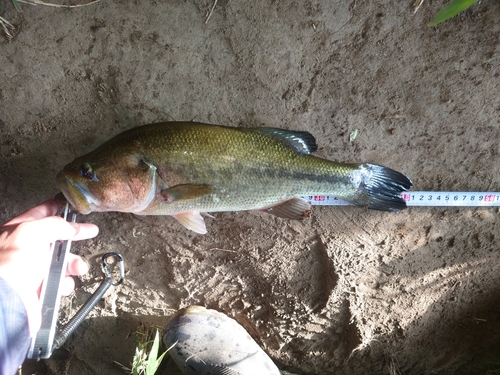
{"points": [[300, 141], [185, 191], [295, 208]]}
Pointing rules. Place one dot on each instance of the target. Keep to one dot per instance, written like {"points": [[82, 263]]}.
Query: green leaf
{"points": [[451, 10], [17, 6], [492, 58], [153, 360], [160, 358]]}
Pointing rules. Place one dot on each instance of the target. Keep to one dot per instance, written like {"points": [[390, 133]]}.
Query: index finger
{"points": [[53, 228], [47, 208]]}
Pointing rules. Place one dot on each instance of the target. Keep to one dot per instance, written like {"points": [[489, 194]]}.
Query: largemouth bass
{"points": [[184, 169]]}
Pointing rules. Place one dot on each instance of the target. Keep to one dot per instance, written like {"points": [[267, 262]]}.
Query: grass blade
{"points": [[17, 6], [451, 10], [153, 355]]}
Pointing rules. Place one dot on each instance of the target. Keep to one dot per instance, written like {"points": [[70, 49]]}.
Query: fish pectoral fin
{"points": [[295, 208], [192, 220], [183, 192]]}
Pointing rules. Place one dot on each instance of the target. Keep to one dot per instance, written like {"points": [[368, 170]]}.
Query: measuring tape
{"points": [[425, 199]]}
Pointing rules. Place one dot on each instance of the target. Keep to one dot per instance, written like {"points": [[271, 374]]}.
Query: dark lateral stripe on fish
{"points": [[380, 190], [297, 176], [385, 179]]}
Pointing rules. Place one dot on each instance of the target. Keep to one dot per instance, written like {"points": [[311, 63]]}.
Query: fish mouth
{"points": [[78, 195]]}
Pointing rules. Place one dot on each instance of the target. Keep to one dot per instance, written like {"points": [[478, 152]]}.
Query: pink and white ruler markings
{"points": [[426, 199]]}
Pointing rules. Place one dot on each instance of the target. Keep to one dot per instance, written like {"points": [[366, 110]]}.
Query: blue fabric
{"points": [[14, 330]]}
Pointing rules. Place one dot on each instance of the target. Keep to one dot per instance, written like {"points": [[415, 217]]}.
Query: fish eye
{"points": [[87, 171]]}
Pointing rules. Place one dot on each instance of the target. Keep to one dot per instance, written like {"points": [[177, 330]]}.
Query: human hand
{"points": [[25, 243]]}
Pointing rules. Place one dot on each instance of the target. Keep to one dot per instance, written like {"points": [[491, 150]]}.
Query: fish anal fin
{"points": [[300, 141], [186, 191], [192, 220], [295, 209]]}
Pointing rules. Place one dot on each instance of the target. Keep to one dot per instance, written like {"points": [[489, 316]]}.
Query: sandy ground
{"points": [[348, 291]]}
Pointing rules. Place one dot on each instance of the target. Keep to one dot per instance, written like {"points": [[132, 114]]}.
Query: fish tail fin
{"points": [[380, 188]]}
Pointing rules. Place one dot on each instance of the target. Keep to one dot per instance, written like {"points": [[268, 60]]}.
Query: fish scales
{"points": [[257, 171]]}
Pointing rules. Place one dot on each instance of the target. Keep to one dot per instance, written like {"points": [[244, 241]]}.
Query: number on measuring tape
{"points": [[460, 199]]}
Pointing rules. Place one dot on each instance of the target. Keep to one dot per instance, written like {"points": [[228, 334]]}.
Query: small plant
{"points": [[145, 363], [146, 360], [451, 10]]}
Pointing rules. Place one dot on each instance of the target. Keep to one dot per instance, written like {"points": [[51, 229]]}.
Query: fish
{"points": [[186, 169]]}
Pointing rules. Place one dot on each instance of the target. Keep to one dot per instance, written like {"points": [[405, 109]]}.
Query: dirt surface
{"points": [[348, 291]]}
